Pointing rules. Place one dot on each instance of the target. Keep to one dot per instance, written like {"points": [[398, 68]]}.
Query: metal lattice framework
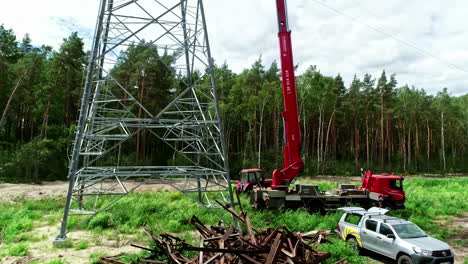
{"points": [[112, 115]]}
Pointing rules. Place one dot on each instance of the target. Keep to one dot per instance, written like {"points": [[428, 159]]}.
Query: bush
{"points": [[37, 157]]}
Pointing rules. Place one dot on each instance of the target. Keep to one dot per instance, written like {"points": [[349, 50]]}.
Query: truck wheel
{"points": [[405, 259], [312, 207], [353, 244], [259, 205]]}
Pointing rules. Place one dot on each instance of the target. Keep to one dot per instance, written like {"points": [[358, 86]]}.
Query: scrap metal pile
{"points": [[225, 245]]}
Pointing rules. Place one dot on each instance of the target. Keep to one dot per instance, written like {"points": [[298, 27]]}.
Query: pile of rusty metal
{"points": [[224, 244]]}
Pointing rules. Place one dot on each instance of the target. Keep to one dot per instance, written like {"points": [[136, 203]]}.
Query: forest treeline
{"points": [[372, 123]]}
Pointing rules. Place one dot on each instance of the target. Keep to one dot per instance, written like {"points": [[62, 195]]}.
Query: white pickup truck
{"points": [[392, 237]]}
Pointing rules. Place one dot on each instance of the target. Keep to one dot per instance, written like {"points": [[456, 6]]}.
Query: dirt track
{"points": [[17, 192]]}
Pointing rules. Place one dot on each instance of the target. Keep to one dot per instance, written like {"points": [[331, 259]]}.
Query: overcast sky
{"points": [[353, 38]]}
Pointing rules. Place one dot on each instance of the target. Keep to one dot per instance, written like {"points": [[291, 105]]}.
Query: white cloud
{"points": [[242, 30]]}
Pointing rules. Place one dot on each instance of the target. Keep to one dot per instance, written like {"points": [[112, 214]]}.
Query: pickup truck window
{"points": [[371, 225], [409, 230], [385, 229], [353, 219]]}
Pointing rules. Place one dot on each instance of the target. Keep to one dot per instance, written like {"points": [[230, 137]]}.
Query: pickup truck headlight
{"points": [[421, 251]]}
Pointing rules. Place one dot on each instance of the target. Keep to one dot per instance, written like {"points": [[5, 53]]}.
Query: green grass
{"points": [[428, 201], [81, 245], [461, 243], [434, 199], [17, 219], [20, 249], [95, 258], [163, 211], [340, 250], [56, 261]]}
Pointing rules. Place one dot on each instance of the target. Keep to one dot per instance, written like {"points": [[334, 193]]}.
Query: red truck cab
{"points": [[388, 186]]}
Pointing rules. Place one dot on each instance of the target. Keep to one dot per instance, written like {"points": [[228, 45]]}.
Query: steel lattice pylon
{"points": [[109, 117]]}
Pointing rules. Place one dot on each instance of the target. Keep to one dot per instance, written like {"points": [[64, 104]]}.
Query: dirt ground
{"points": [[113, 244], [459, 226], [16, 192]]}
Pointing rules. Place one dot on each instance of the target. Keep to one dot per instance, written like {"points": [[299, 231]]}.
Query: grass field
{"points": [[431, 203]]}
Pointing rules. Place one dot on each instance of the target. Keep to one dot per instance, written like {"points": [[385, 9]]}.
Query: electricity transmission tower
{"points": [[113, 116]]}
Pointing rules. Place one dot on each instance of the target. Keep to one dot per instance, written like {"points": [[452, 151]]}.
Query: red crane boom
{"points": [[293, 163]]}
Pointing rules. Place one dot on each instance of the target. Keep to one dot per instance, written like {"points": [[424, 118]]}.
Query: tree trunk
{"points": [[260, 139], [319, 139], [335, 133], [138, 135], [428, 146], [416, 147], [328, 132], [454, 152], [404, 148], [45, 117], [367, 140], [144, 146], [382, 138], [255, 137], [356, 142], [275, 136], [10, 99], [304, 132], [246, 147], [409, 147], [322, 136], [388, 141], [442, 138], [68, 104]]}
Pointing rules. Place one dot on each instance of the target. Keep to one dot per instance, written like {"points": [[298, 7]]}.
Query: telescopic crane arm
{"points": [[293, 163]]}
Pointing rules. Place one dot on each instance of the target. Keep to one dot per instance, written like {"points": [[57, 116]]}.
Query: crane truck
{"points": [[382, 190]]}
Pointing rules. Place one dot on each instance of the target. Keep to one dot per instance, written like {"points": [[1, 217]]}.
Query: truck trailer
{"points": [[376, 190]]}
